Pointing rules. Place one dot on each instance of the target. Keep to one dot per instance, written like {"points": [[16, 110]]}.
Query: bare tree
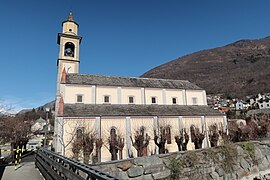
{"points": [[254, 129], [182, 140], [99, 143], [84, 141], [213, 135], [116, 143], [76, 147], [197, 136], [161, 138], [16, 131], [141, 141], [88, 146]]}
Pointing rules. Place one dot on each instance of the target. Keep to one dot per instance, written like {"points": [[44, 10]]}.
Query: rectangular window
{"points": [[267, 105], [174, 100], [79, 99], [194, 101], [130, 99], [106, 99], [154, 100]]}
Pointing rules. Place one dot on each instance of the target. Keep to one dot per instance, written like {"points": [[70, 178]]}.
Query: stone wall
{"points": [[246, 160]]}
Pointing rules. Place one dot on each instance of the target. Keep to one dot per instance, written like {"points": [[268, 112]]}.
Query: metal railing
{"points": [[55, 167]]}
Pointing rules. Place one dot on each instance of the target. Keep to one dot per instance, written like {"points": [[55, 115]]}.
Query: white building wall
{"points": [[126, 130], [178, 94], [135, 92], [119, 95], [199, 94], [151, 92], [70, 94], [102, 91]]}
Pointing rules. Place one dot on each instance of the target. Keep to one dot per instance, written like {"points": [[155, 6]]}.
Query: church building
{"points": [[106, 104]]}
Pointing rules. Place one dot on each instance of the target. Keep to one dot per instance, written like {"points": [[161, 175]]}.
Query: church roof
{"points": [[88, 110], [121, 81]]}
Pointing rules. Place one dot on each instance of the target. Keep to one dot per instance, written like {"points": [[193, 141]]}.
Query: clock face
{"points": [[69, 68]]}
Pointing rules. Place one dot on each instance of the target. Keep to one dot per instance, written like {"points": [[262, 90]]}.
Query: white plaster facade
{"points": [[120, 95]]}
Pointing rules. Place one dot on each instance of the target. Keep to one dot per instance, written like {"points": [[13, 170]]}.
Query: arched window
{"points": [[113, 132], [192, 132], [69, 49], [168, 135], [79, 132]]}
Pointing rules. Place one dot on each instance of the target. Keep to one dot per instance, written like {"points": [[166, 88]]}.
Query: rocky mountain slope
{"points": [[238, 69]]}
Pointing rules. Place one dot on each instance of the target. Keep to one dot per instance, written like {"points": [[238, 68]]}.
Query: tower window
{"points": [[130, 99], [154, 100], [174, 101], [70, 30], [69, 49]]}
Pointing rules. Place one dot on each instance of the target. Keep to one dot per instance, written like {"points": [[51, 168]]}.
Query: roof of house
{"points": [[101, 80], [87, 110]]}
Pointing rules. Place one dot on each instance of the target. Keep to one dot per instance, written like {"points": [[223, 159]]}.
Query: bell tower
{"points": [[67, 62], [69, 47]]}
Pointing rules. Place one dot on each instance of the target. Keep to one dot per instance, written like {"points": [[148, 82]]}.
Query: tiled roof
{"points": [[87, 110], [102, 80]]}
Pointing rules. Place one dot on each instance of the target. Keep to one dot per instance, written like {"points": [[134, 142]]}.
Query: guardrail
{"points": [[55, 167], [18, 155]]}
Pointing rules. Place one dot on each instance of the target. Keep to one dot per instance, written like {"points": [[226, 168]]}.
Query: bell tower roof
{"points": [[70, 18]]}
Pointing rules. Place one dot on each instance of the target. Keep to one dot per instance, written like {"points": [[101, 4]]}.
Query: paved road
{"points": [[27, 171]]}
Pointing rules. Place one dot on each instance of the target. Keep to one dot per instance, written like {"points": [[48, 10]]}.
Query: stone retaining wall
{"points": [[245, 160]]}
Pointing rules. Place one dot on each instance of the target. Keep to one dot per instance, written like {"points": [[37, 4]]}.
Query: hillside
{"points": [[238, 69]]}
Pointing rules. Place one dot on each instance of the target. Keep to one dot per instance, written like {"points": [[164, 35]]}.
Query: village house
{"points": [[260, 101]]}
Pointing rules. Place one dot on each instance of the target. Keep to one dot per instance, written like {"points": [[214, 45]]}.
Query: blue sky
{"points": [[120, 37]]}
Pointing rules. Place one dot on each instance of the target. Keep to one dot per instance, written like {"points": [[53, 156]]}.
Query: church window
{"points": [[130, 99], [113, 132], [194, 101], [168, 135], [69, 49], [174, 100], [79, 132], [154, 100], [70, 30], [79, 99], [106, 99]]}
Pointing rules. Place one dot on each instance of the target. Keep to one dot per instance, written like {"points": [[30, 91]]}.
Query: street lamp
{"points": [[46, 126]]}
